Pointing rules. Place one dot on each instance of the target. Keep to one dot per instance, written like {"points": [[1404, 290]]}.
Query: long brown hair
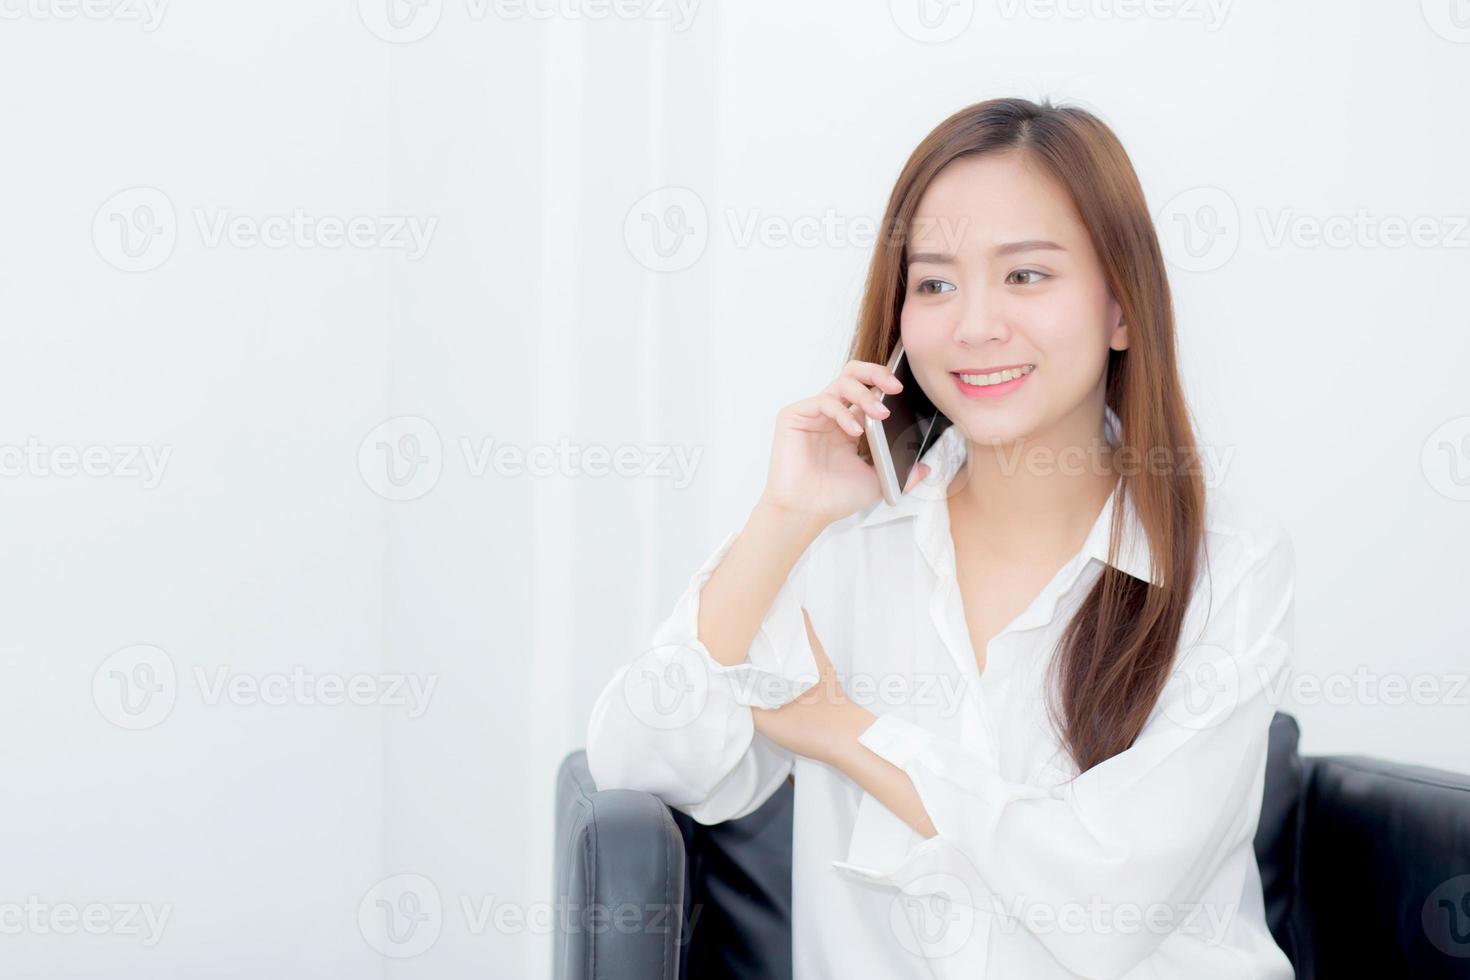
{"points": [[1117, 653]]}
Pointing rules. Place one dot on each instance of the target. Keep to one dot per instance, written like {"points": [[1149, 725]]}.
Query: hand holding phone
{"points": [[815, 469], [900, 439]]}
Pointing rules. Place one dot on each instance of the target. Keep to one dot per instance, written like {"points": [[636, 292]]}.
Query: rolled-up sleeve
{"points": [[1142, 831], [676, 723]]}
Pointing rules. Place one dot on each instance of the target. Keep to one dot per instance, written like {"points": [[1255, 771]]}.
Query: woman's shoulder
{"points": [[1235, 517], [1245, 537]]}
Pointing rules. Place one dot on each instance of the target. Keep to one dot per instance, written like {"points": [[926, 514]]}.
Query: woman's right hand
{"points": [[815, 469]]}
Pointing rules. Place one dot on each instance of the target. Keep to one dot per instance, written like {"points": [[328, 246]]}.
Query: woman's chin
{"points": [[991, 428]]}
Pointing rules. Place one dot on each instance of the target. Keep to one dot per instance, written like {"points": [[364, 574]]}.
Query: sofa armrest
{"points": [[1384, 875], [619, 888]]}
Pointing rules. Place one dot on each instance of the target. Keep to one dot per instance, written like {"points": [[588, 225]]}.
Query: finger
{"points": [[862, 396], [870, 373], [839, 412], [917, 475]]}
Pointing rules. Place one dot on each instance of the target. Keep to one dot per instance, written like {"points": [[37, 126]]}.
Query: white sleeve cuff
{"points": [[895, 739]]}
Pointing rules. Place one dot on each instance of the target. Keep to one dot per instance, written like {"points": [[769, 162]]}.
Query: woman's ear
{"points": [[1119, 338]]}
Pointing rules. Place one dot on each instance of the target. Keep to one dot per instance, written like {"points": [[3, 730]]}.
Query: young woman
{"points": [[1027, 707]]}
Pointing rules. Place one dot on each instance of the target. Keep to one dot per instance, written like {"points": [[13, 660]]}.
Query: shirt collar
{"points": [[947, 456]]}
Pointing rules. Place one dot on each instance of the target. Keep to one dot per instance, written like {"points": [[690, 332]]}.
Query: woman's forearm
{"points": [[740, 590], [880, 778]]}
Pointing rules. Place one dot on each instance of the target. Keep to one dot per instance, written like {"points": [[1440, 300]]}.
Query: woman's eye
{"points": [[1029, 272], [924, 286]]}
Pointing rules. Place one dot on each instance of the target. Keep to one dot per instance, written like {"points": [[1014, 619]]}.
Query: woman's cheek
{"points": [[923, 330]]}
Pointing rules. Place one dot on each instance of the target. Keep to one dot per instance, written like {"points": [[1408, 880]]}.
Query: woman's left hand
{"points": [[821, 722]]}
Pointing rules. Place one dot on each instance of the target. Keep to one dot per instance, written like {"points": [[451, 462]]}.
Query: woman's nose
{"points": [[982, 318]]}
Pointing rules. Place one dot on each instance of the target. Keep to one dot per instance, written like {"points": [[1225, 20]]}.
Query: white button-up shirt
{"points": [[1143, 866]]}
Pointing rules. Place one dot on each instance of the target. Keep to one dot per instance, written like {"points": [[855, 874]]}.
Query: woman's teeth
{"points": [[981, 380]]}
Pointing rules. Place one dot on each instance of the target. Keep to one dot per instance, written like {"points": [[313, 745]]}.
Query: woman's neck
{"points": [[1043, 492]]}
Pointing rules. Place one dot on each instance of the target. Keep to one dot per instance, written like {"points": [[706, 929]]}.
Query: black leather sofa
{"points": [[1365, 866]]}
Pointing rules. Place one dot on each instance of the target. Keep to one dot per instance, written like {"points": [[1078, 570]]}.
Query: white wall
{"points": [[520, 149]]}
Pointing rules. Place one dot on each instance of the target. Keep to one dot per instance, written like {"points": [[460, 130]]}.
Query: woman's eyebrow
{"points": [[1008, 248], [1030, 245]]}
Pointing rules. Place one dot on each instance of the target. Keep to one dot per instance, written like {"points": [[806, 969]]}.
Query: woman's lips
{"points": [[990, 391]]}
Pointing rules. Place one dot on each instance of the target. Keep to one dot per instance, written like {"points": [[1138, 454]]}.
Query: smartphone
{"points": [[898, 442]]}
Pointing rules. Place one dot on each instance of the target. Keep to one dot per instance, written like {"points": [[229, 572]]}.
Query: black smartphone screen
{"points": [[914, 425]]}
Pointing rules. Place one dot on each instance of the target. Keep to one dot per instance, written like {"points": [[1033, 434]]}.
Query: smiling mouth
{"points": [[988, 379]]}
